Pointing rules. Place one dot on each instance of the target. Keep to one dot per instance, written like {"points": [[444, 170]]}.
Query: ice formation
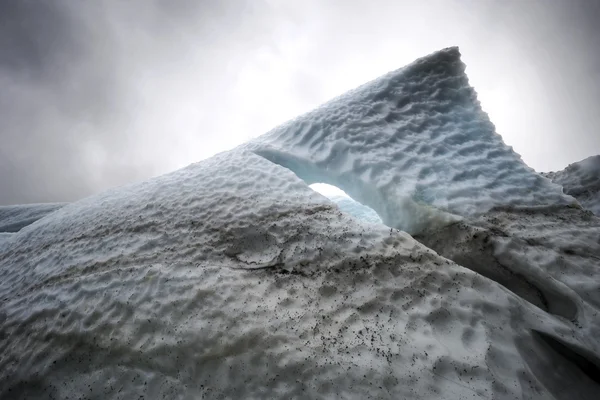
{"points": [[582, 181], [409, 144], [231, 278]]}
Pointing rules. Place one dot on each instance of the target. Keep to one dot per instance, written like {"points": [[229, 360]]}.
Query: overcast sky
{"points": [[95, 94]]}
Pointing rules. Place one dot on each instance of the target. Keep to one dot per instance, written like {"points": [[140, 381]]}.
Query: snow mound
{"points": [[230, 282], [582, 181], [231, 278], [410, 144], [15, 218]]}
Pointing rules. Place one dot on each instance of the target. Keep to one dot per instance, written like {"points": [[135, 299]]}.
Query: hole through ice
{"points": [[346, 203], [328, 191]]}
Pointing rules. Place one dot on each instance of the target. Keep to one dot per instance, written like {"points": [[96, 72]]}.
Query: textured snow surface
{"points": [[231, 278], [582, 181], [412, 139], [237, 282], [14, 218]]}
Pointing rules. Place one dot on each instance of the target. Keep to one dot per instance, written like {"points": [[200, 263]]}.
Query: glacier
{"points": [[231, 278], [414, 145]]}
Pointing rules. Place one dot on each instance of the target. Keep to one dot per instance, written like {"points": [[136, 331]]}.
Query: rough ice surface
{"points": [[582, 181], [408, 144], [231, 278], [14, 218]]}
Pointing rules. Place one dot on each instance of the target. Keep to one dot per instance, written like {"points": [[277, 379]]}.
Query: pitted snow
{"points": [[412, 140], [222, 280]]}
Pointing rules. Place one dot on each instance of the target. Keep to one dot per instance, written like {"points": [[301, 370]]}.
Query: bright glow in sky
{"points": [[98, 94], [328, 190]]}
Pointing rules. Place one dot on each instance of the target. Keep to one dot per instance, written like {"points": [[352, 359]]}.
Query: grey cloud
{"points": [[79, 84], [98, 94]]}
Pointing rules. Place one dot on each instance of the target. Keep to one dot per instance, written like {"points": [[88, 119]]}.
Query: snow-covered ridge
{"points": [[410, 143], [231, 278], [582, 181]]}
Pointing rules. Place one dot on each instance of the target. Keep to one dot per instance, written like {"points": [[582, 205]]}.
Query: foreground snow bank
{"points": [[221, 281], [582, 181]]}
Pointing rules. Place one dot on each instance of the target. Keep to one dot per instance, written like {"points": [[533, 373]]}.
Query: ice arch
{"points": [[414, 145], [346, 203]]}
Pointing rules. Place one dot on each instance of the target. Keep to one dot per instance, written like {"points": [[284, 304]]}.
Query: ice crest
{"points": [[415, 138]]}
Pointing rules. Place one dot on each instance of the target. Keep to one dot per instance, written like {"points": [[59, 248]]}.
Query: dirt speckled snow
{"points": [[582, 181]]}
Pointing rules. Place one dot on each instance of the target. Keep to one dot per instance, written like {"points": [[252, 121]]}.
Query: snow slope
{"points": [[14, 218], [409, 140], [231, 278], [582, 181]]}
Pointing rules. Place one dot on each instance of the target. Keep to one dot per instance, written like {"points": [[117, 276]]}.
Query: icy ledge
{"points": [[410, 144]]}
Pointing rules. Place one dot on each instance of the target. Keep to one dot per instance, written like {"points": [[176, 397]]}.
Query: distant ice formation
{"points": [[582, 181], [14, 218], [231, 278]]}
